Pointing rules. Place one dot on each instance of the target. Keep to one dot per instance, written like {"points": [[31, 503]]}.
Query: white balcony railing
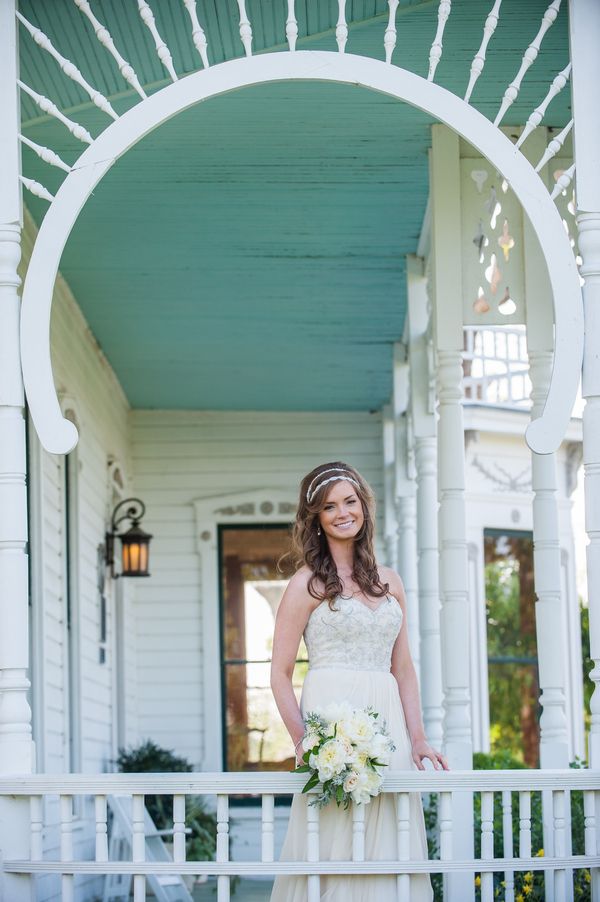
{"points": [[524, 796], [496, 367]]}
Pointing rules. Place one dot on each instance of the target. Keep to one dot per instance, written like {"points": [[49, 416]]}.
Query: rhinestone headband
{"points": [[346, 475]]}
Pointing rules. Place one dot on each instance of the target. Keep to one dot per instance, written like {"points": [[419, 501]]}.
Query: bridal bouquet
{"points": [[343, 747]]}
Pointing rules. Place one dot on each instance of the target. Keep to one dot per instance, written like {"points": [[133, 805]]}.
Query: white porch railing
{"points": [[496, 367], [553, 804]]}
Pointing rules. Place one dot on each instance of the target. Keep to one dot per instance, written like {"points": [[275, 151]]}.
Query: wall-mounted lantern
{"points": [[135, 542]]}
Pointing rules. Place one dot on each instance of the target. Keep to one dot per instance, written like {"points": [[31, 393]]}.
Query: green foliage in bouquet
{"points": [[344, 779]]}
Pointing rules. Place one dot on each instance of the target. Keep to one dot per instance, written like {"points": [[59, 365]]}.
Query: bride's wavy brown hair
{"points": [[313, 550]]}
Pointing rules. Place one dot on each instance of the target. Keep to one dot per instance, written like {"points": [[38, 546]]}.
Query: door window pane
{"points": [[511, 645], [255, 737]]}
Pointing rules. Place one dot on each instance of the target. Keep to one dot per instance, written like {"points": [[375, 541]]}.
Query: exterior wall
{"points": [[178, 458], [498, 479], [91, 394]]}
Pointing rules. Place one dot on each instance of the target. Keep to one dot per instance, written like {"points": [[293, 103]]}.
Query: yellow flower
{"points": [[520, 897], [587, 876], [540, 854], [528, 877], [478, 880], [527, 889]]}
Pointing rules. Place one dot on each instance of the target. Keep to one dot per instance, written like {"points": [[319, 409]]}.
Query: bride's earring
{"points": [[318, 530]]}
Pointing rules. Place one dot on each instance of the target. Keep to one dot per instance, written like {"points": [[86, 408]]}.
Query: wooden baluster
{"points": [[36, 809], [138, 845], [78, 131], [558, 829], [245, 28], [563, 182], [536, 117], [100, 810], [403, 825], [435, 54], [223, 881], [341, 28], [36, 188], [554, 146], [589, 814], [66, 845], [291, 26], [487, 844], [267, 827], [529, 56], [389, 39], [312, 849], [358, 832], [69, 68], [525, 824], [106, 40], [445, 800], [45, 154], [507, 843], [162, 50], [178, 827], [198, 35], [479, 59]]}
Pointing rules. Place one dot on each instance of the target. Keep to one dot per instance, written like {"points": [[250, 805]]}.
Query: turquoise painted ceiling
{"points": [[249, 254]]}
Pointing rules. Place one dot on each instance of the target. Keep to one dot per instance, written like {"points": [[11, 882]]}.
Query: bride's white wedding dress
{"points": [[349, 651]]}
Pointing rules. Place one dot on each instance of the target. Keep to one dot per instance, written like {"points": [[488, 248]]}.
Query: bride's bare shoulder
{"points": [[394, 581], [297, 590]]}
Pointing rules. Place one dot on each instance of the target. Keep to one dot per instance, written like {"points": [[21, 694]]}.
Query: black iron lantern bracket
{"points": [[135, 537]]}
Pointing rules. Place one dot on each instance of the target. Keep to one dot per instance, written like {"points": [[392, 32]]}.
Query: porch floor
{"points": [[245, 891]]}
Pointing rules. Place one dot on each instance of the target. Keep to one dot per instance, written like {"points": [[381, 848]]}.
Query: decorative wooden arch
{"points": [[59, 435]]}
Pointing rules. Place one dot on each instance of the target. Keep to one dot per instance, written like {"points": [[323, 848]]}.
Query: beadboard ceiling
{"points": [[249, 254]]}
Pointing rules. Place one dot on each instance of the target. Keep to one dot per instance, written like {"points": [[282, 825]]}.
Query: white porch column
{"points": [[16, 747], [551, 650], [454, 582], [422, 403], [405, 500], [585, 38], [389, 472], [584, 25]]}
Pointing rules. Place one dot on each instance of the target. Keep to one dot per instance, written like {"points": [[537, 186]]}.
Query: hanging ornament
{"points": [[506, 305], [506, 241], [493, 274], [480, 304], [493, 206], [480, 241], [479, 176]]}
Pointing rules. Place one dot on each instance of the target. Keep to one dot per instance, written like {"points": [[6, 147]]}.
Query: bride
{"points": [[352, 614]]}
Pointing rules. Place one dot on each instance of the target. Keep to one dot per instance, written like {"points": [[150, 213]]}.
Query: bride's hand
{"points": [[421, 749]]}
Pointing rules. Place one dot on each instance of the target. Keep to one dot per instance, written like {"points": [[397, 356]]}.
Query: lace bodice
{"points": [[352, 635]]}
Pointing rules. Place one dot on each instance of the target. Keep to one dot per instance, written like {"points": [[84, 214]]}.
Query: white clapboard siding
{"points": [[90, 389], [179, 456]]}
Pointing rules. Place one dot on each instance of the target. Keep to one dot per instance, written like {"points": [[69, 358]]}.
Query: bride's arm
{"points": [[292, 615], [404, 672]]}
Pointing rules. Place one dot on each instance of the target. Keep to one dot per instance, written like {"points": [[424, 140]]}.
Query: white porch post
{"points": [[584, 38], [554, 742], [584, 26], [16, 747], [389, 470], [454, 582], [405, 500], [422, 406]]}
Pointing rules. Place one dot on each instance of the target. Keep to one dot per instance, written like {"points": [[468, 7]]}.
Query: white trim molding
{"points": [[543, 435], [260, 506]]}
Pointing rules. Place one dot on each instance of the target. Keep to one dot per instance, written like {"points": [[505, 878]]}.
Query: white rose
{"points": [[310, 741], [361, 728], [351, 781], [333, 755]]}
